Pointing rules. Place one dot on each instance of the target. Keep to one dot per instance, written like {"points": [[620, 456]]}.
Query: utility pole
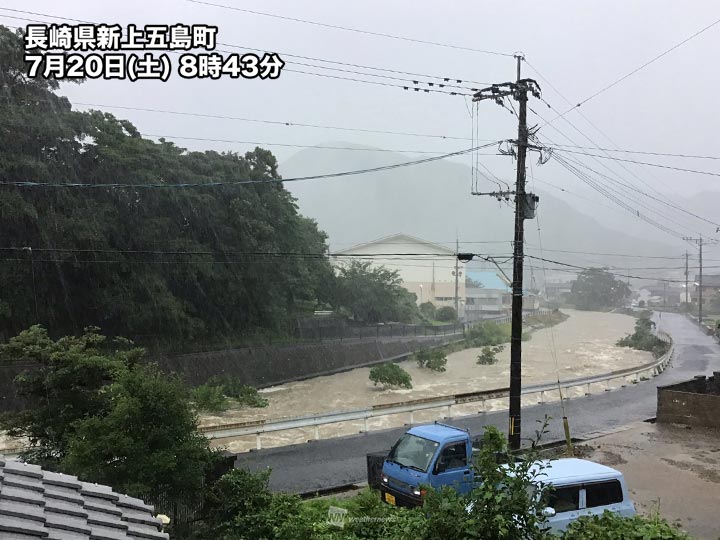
{"points": [[687, 303], [524, 209], [699, 242], [457, 251]]}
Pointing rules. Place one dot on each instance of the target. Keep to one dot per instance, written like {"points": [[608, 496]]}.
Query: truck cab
{"points": [[435, 455]]}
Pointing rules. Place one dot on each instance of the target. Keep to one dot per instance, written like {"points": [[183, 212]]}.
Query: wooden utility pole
{"points": [[524, 209], [457, 251], [687, 302], [699, 242]]}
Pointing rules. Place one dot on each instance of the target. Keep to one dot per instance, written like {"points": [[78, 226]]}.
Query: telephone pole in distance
{"points": [[699, 242]]}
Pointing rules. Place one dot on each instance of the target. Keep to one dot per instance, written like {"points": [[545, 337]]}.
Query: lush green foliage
{"points": [[446, 313], [93, 409], [643, 338], [67, 387], [598, 289], [373, 294], [488, 355], [433, 359], [147, 443], [428, 310], [487, 333], [214, 395], [206, 289], [612, 527], [389, 375]]}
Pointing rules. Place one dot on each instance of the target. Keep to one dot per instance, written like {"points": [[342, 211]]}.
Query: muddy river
{"points": [[582, 345]]}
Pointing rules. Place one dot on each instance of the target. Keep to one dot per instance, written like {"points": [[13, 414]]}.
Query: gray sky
{"points": [[579, 46]]}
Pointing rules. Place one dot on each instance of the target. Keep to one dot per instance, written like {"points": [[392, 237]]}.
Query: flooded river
{"points": [[582, 345]]}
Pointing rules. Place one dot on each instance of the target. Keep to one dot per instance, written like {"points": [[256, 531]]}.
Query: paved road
{"points": [[333, 462]]}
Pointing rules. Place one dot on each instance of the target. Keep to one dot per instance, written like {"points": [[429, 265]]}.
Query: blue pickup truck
{"points": [[439, 455]]}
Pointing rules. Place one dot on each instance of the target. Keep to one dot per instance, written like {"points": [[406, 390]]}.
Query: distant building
{"points": [[710, 288], [558, 290], [429, 273], [486, 295]]}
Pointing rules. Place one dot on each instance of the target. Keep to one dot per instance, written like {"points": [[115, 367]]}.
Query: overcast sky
{"points": [[580, 47]]}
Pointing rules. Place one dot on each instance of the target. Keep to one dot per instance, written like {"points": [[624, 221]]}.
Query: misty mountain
{"points": [[432, 201]]}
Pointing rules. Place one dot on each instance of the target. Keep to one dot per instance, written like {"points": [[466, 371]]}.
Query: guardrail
{"points": [[258, 427]]}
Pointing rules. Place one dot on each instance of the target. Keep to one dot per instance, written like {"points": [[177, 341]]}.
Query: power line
{"points": [[643, 66], [647, 153], [241, 182], [614, 158], [348, 29], [560, 263]]}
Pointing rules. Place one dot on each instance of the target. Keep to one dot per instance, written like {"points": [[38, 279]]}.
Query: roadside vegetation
{"points": [[488, 355], [390, 375], [643, 338]]}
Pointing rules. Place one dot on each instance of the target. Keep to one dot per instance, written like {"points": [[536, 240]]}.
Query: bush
{"points": [[428, 310], [446, 313], [610, 526], [434, 360], [488, 333], [244, 394], [389, 375], [209, 398], [643, 338], [488, 355]]}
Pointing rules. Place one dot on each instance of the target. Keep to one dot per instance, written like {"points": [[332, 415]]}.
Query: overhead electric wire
{"points": [[641, 67], [349, 29], [642, 152], [241, 182], [649, 164]]}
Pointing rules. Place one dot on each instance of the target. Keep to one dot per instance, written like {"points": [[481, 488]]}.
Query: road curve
{"points": [[332, 462]]}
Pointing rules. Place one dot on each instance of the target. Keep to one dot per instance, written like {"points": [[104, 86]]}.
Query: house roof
{"points": [[403, 241], [489, 280], [35, 503]]}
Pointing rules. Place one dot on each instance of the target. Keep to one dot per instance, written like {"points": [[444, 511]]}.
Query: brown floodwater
{"points": [[582, 345]]}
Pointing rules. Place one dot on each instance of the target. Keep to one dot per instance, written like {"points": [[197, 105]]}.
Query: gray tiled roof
{"points": [[41, 504]]}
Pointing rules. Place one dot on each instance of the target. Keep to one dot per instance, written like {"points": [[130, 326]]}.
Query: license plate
{"points": [[390, 499]]}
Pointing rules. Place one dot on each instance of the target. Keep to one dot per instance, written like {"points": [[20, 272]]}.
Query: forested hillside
{"points": [[159, 264]]}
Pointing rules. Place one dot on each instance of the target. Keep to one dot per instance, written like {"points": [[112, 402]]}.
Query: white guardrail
{"points": [[258, 427]]}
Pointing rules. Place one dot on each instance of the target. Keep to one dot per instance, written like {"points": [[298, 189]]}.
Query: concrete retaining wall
{"points": [[263, 366]]}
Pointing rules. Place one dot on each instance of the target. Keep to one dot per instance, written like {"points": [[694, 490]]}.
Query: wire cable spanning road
{"points": [[339, 461]]}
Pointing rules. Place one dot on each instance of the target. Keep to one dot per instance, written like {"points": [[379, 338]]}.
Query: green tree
{"points": [[390, 374], [67, 386], [429, 310], [206, 286], [597, 289], [373, 294], [488, 355], [432, 359], [147, 443], [446, 313]]}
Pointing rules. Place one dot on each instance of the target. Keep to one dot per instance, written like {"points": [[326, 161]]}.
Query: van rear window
{"points": [[603, 494]]}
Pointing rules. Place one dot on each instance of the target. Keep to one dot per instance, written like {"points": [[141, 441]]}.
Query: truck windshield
{"points": [[413, 452]]}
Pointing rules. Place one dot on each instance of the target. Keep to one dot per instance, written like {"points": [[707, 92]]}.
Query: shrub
{"points": [[434, 360], [488, 355], [209, 398], [488, 333], [446, 313], [610, 526], [244, 394], [389, 375], [429, 310], [643, 338]]}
